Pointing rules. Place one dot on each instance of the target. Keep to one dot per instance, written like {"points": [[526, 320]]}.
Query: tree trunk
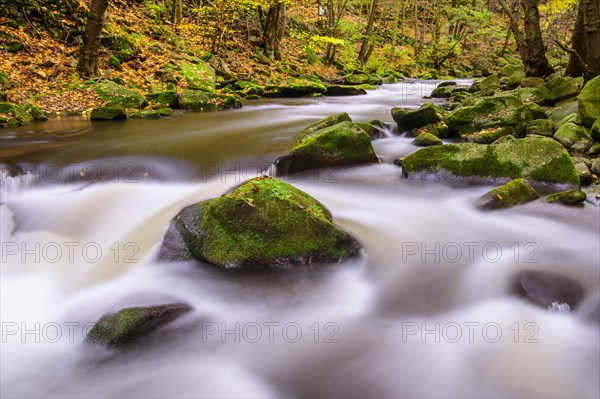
{"points": [[363, 54], [88, 60], [274, 29], [395, 31], [586, 41], [530, 45], [177, 16]]}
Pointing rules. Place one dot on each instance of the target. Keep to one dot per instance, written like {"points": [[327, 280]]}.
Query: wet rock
{"points": [[536, 159], [491, 84], [542, 127], [119, 96], [296, 87], [595, 132], [595, 167], [163, 99], [361, 78], [589, 102], [570, 197], [145, 114], [199, 76], [515, 192], [585, 176], [532, 82], [108, 113], [129, 324], [439, 129], [574, 137], [345, 90], [545, 288], [560, 112], [408, 119], [196, 100], [263, 223], [555, 90], [328, 121], [343, 144], [488, 136], [426, 140]]}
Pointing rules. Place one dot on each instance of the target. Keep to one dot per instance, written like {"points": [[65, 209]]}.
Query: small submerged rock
{"points": [[128, 324], [263, 223], [516, 192], [545, 288], [570, 197]]}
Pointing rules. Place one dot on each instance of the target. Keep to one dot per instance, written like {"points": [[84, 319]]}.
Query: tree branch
{"points": [[575, 53]]}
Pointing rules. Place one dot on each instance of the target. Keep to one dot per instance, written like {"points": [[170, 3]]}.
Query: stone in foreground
{"points": [[516, 192], [408, 119], [263, 223], [128, 324], [536, 159], [589, 102]]}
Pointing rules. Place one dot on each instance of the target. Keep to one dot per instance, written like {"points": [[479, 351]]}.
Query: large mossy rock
{"points": [[108, 114], [555, 90], [328, 121], [296, 87], [14, 115], [164, 99], [199, 76], [345, 90], [196, 100], [426, 140], [541, 127], [490, 112], [589, 102], [574, 137], [536, 159], [343, 144], [119, 96], [570, 197], [409, 119], [490, 84], [263, 223], [362, 78], [515, 192], [129, 324]]}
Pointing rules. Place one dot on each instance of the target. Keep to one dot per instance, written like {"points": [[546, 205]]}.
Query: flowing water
{"points": [[425, 311]]}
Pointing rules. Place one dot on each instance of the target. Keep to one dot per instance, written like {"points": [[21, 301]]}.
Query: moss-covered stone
{"points": [[426, 140], [362, 78], [555, 90], [129, 324], [492, 111], [595, 131], [343, 144], [145, 114], [366, 86], [14, 115], [114, 63], [532, 82], [345, 90], [439, 129], [583, 171], [442, 92], [108, 113], [570, 197], [199, 76], [514, 80], [165, 111], [574, 137], [536, 159], [328, 121], [119, 96], [559, 113], [296, 87], [536, 111], [542, 127], [594, 149], [408, 119], [35, 112], [196, 100], [263, 223], [488, 136], [515, 192], [589, 102], [163, 99], [595, 167], [491, 84]]}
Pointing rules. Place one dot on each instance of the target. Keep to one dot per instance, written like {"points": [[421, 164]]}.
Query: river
{"points": [[425, 311]]}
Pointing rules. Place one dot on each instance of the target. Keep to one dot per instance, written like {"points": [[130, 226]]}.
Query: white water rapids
{"points": [[426, 311]]}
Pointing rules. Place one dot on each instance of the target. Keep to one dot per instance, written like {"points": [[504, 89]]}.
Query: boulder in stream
{"points": [[515, 192], [546, 288], [570, 197], [264, 223], [408, 119]]}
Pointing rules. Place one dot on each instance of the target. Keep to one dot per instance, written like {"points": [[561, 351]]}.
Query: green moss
{"points": [[540, 159], [119, 96], [196, 100], [14, 114], [408, 119], [574, 137], [439, 129], [555, 90], [345, 90], [267, 222], [426, 140], [146, 114], [199, 76], [515, 192], [589, 102], [108, 113], [570, 197], [490, 135], [340, 145], [328, 121], [541, 127], [113, 330], [166, 98]]}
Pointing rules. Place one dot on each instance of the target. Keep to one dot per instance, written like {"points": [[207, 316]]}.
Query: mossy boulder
{"points": [[328, 121], [595, 167], [536, 159], [514, 80], [541, 127], [537, 112], [345, 90], [570, 197], [129, 324], [426, 140], [14, 115], [490, 135], [559, 113], [515, 192], [362, 78], [35, 112], [119, 96], [442, 92], [584, 173], [145, 114], [263, 223], [439, 129], [532, 81], [491, 83], [108, 113], [199, 76], [589, 102], [247, 88], [343, 144], [166, 111], [163, 99], [574, 137], [555, 90], [409, 119], [296, 87], [196, 100]]}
